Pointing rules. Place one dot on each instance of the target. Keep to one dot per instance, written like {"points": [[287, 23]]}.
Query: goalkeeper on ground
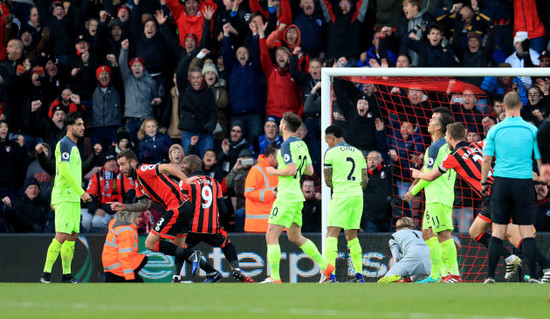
{"points": [[410, 252]]}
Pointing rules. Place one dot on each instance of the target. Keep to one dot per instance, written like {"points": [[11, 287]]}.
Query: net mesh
{"points": [[404, 106]]}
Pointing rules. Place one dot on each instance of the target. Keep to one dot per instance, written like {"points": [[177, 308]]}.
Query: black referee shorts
{"points": [[515, 200]]}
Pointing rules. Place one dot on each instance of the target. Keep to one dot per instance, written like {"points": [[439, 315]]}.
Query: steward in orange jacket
{"points": [[260, 192], [120, 257]]}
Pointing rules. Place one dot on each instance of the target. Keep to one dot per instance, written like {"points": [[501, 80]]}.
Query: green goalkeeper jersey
{"points": [[293, 150], [67, 186], [440, 190], [347, 164]]}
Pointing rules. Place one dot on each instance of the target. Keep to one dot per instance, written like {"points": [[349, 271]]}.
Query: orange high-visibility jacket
{"points": [[120, 252], [258, 191]]}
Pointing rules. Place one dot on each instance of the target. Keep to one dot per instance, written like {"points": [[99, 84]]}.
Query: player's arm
{"points": [[65, 171], [328, 176], [427, 176], [309, 170], [394, 249], [143, 204], [364, 177], [172, 170], [289, 170]]}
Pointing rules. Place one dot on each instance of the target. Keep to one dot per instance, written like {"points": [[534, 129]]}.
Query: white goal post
{"points": [[326, 80]]}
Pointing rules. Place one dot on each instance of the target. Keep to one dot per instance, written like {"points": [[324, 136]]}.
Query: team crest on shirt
{"points": [[8, 149]]}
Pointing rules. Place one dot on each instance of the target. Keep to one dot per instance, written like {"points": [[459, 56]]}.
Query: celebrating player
{"points": [[206, 196], [466, 160], [66, 195], [294, 160], [437, 222], [346, 173], [153, 183], [410, 252]]}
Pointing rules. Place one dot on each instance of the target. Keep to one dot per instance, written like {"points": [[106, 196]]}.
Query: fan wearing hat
{"points": [[524, 56], [107, 185], [233, 146], [27, 214], [107, 115], [140, 91], [219, 88], [270, 137]]}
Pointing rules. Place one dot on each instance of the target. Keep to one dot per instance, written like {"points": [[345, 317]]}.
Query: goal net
{"points": [[388, 111]]}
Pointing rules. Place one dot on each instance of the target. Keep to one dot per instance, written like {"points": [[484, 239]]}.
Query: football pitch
{"points": [[307, 300]]}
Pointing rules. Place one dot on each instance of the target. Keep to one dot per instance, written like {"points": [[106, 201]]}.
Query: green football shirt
{"points": [[293, 151], [441, 190], [347, 164], [66, 152]]}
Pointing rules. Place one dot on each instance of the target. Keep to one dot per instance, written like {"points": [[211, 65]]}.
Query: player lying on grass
{"points": [[466, 160], [410, 252]]}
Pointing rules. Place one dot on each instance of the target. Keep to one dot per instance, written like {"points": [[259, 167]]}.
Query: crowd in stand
{"points": [[213, 78]]}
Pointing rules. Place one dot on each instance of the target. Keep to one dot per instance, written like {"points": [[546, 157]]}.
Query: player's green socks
{"points": [[311, 250], [448, 249], [274, 259], [435, 257], [51, 256], [331, 250], [67, 253], [356, 254]]}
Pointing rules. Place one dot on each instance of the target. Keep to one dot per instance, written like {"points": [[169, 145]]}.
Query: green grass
{"points": [[231, 300]]}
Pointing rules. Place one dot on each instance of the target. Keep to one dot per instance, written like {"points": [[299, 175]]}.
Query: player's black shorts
{"points": [[174, 222], [513, 199], [485, 213], [219, 239]]}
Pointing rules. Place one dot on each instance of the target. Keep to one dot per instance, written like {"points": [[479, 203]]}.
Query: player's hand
{"points": [[86, 197], [270, 170], [191, 179], [415, 173], [116, 206], [409, 196]]}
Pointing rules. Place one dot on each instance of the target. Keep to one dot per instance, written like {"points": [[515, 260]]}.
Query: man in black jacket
{"points": [[377, 196], [28, 213], [197, 109]]}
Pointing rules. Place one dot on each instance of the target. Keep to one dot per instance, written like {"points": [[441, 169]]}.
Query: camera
{"points": [[247, 161]]}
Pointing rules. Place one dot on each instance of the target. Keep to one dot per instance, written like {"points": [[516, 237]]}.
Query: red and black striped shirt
{"points": [[466, 160], [158, 187], [204, 194]]}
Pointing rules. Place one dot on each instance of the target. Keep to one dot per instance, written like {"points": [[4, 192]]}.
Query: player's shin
{"points": [[274, 259], [331, 250], [67, 254], [52, 254], [435, 257], [448, 249], [356, 254]]}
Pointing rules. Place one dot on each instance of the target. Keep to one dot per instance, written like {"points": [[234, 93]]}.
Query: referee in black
{"points": [[512, 142]]}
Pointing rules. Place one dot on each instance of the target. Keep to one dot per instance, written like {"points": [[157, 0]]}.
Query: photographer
{"points": [[236, 178]]}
